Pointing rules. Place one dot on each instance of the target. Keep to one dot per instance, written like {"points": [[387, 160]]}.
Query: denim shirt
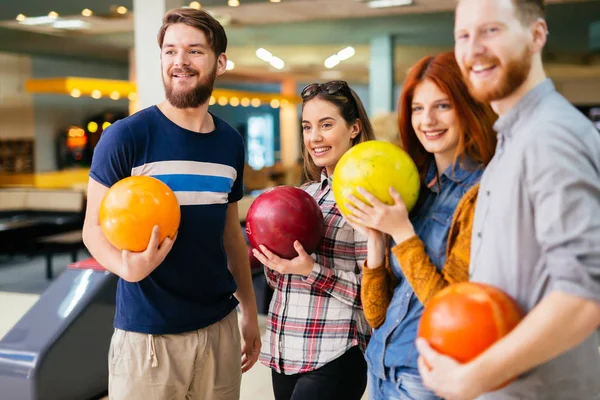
{"points": [[392, 345]]}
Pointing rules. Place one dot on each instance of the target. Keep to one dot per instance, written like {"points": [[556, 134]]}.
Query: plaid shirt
{"points": [[315, 319]]}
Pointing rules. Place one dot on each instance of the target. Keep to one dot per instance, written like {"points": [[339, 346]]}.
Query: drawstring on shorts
{"points": [[152, 351]]}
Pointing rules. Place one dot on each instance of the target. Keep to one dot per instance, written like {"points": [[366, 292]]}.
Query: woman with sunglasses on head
{"points": [[450, 137], [316, 330]]}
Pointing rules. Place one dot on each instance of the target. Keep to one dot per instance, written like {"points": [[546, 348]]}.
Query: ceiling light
{"points": [[38, 20], [75, 93], [222, 101], [341, 55], [96, 94], [132, 96], [86, 12], [195, 5], [230, 65], [70, 24], [275, 1], [388, 3], [233, 3], [346, 53], [53, 14], [255, 103], [245, 102], [332, 61], [122, 10], [277, 62], [115, 95], [234, 102], [20, 18], [275, 103], [212, 100], [264, 55]]}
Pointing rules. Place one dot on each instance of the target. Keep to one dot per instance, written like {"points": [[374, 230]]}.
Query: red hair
{"points": [[477, 138]]}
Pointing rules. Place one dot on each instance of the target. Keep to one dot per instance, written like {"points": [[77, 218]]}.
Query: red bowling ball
{"points": [[282, 215]]}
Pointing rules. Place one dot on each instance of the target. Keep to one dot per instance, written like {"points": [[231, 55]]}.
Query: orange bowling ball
{"points": [[133, 206], [464, 319]]}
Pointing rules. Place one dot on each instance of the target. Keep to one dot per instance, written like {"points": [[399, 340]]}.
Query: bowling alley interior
{"points": [[69, 69]]}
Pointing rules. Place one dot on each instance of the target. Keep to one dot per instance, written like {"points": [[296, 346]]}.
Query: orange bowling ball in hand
{"points": [[464, 319], [133, 206]]}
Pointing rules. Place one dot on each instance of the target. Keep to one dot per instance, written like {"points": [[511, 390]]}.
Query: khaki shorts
{"points": [[203, 364]]}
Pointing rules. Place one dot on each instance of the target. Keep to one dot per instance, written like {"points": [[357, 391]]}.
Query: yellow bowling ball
{"points": [[375, 166]]}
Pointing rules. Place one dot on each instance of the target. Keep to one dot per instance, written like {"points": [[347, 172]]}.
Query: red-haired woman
{"points": [[450, 137]]}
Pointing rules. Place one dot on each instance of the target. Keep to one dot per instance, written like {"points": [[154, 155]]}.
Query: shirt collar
{"points": [[325, 180], [506, 123], [456, 172]]}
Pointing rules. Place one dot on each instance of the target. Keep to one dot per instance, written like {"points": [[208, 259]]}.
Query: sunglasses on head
{"points": [[330, 88]]}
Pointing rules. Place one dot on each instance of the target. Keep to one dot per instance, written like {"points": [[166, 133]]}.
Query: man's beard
{"points": [[194, 97], [513, 74]]}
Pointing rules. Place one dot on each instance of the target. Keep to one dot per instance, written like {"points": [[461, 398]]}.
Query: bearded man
{"points": [[536, 232], [176, 325]]}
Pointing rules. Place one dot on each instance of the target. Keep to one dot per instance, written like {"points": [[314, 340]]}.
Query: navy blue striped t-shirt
{"points": [[193, 287]]}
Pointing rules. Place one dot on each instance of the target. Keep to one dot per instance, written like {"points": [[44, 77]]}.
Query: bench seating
{"points": [[29, 214], [68, 242]]}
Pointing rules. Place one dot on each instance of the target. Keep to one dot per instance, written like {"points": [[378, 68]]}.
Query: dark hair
{"points": [[197, 19], [527, 11], [350, 108], [477, 139]]}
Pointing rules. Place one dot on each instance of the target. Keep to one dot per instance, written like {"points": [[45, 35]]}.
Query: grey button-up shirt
{"points": [[537, 229]]}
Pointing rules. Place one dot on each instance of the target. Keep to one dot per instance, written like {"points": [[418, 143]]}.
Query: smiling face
{"points": [[189, 66], [326, 134], [493, 48], [435, 122]]}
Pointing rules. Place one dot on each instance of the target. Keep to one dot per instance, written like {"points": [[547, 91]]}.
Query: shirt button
{"points": [[407, 294], [487, 192], [479, 235]]}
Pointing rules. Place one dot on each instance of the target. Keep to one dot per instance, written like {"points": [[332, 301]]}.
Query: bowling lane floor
{"points": [[22, 280]]}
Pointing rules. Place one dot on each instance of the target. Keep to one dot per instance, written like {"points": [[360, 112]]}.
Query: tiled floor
{"points": [[12, 308]]}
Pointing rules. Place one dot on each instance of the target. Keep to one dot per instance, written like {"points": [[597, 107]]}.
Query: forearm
{"points": [[376, 247], [557, 324], [423, 275], [103, 252], [239, 265], [376, 294], [110, 257]]}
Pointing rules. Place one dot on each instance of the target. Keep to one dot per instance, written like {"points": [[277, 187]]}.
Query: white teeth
{"points": [[434, 133], [321, 149], [479, 68]]}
